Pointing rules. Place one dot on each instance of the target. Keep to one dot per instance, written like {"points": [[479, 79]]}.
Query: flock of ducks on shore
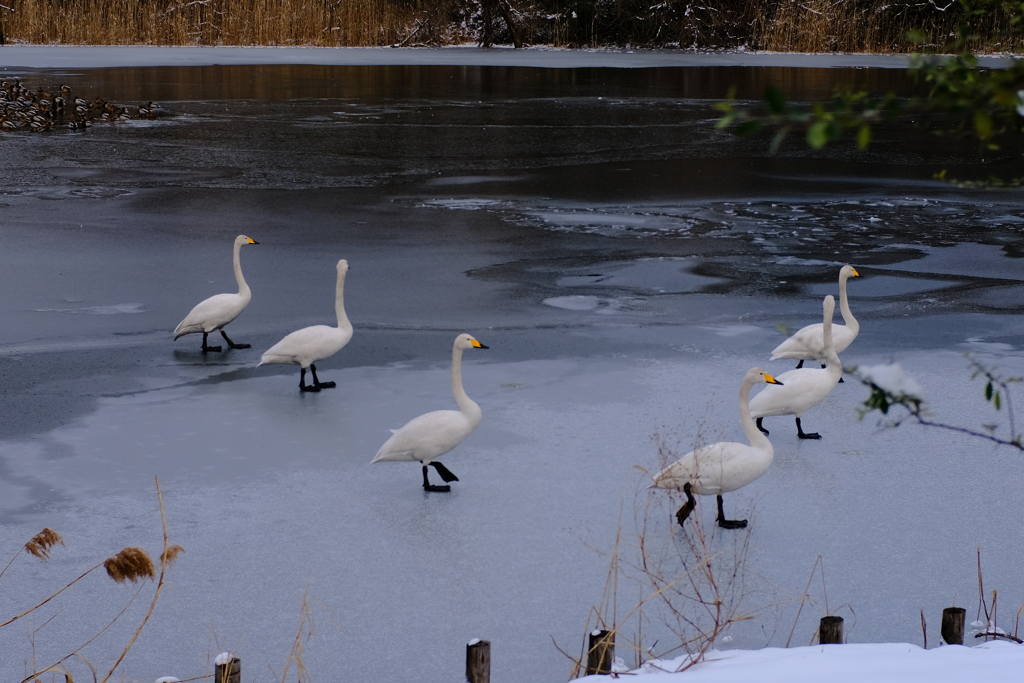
{"points": [[40, 110], [710, 470]]}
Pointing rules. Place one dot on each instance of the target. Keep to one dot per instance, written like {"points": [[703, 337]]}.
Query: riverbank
{"points": [[87, 56]]}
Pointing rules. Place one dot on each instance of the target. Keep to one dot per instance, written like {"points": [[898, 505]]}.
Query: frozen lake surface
{"points": [[625, 263]]}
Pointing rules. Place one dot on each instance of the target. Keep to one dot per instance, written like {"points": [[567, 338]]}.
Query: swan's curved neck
{"points": [[844, 306], [835, 367], [243, 288], [339, 304], [466, 404], [754, 435]]}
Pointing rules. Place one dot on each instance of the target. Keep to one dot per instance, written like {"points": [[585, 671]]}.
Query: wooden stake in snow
{"points": [[227, 669], [601, 652], [953, 625], [830, 631], [478, 661]]}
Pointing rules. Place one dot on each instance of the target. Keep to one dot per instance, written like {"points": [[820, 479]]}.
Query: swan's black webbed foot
{"points": [[318, 383], [800, 364], [684, 512], [802, 435], [302, 383], [841, 381], [763, 430], [427, 486], [728, 523], [207, 347], [232, 344], [444, 472]]}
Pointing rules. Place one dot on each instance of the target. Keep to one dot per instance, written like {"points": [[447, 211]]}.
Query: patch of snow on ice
{"points": [[464, 204], [577, 302], [112, 309], [732, 330], [893, 379]]}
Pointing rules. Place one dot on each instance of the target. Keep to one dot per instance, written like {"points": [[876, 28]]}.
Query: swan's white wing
{"points": [[426, 437], [213, 313], [809, 342], [800, 390], [307, 345], [716, 468]]}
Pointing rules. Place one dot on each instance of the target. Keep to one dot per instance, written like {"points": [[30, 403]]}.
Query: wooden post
{"points": [[227, 670], [830, 631], [478, 661], [953, 625], [601, 652]]}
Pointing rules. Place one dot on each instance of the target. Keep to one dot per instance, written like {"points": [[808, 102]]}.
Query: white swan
{"points": [[431, 435], [217, 311], [310, 344], [809, 342], [804, 387], [725, 466]]}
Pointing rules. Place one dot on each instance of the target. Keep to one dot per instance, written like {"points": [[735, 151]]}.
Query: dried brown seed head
{"points": [[168, 556], [131, 564], [40, 544]]}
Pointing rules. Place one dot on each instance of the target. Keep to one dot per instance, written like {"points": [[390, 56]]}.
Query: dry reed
{"points": [[321, 23], [777, 25], [40, 544], [131, 564]]}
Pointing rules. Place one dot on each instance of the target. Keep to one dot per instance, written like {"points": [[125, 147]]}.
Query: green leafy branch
{"points": [[964, 99], [996, 392]]}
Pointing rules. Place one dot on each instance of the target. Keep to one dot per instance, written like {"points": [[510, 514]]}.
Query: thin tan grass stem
{"points": [[159, 586]]}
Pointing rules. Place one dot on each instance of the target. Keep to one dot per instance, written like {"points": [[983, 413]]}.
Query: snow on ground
{"points": [[851, 663]]}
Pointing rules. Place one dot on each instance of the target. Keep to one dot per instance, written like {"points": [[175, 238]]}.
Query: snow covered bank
{"points": [[852, 663], [63, 57]]}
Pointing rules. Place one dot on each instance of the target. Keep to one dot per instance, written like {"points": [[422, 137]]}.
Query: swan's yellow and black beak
{"points": [[771, 380], [478, 345], [855, 273], [252, 241]]}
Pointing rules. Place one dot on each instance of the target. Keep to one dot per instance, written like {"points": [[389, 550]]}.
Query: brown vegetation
{"points": [[778, 25]]}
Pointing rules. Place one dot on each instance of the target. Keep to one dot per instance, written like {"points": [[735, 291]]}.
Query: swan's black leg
{"points": [[427, 486], [302, 382], [800, 364], [232, 344], [765, 431], [445, 473], [684, 512], [800, 432], [729, 523], [316, 381], [207, 347]]}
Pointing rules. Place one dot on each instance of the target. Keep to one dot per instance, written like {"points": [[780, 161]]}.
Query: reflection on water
{"points": [[377, 84], [315, 126]]}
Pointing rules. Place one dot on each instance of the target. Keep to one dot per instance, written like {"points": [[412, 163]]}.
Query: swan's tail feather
{"points": [[267, 359], [180, 331]]}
